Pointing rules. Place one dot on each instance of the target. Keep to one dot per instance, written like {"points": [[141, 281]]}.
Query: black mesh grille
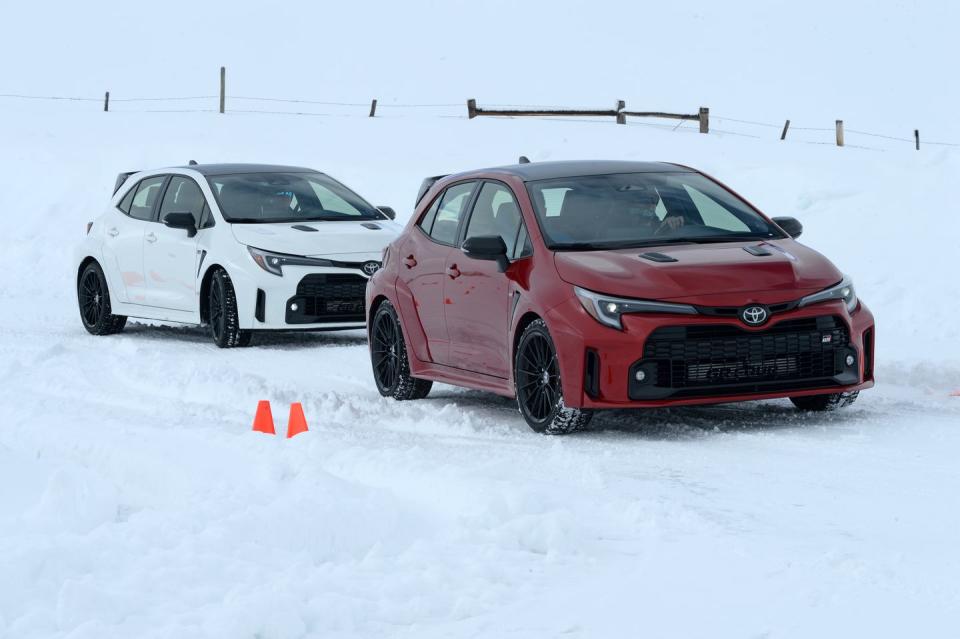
{"points": [[711, 356], [329, 297]]}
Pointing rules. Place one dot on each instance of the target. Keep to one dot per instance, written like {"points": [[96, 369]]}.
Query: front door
{"points": [[170, 255], [477, 294]]}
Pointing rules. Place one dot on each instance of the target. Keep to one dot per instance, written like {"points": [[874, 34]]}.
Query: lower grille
{"points": [[703, 359], [333, 297]]}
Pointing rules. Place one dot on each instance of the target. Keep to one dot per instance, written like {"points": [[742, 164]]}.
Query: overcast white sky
{"points": [[878, 65]]}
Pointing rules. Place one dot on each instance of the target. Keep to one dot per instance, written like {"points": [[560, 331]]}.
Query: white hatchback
{"points": [[236, 247]]}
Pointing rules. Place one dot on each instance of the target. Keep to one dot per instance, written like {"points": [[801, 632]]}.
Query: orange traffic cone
{"points": [[263, 421], [955, 393], [297, 423]]}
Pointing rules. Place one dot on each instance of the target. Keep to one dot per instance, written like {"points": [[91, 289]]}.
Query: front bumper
{"points": [[704, 359], [304, 298]]}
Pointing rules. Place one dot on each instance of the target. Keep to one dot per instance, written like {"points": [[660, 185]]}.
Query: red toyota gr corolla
{"points": [[576, 286]]}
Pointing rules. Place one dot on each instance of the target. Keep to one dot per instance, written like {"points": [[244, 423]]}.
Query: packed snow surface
{"points": [[137, 503]]}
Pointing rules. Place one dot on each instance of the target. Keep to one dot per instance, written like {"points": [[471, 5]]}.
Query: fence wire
{"points": [[680, 127]]}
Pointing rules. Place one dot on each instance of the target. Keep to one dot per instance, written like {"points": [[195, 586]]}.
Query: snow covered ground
{"points": [[137, 503]]}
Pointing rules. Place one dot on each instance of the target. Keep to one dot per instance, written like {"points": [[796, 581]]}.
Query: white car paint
{"points": [[156, 272]]}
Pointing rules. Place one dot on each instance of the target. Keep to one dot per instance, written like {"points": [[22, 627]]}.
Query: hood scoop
{"points": [[371, 226], [304, 227], [758, 249], [657, 257]]}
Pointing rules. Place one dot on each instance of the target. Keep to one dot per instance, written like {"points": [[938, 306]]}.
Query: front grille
{"points": [[701, 359], [334, 297]]}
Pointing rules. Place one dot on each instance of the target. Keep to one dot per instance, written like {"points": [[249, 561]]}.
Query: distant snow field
{"points": [[135, 501]]}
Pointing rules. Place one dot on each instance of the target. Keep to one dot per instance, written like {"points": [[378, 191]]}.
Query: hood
{"points": [[318, 239], [723, 274]]}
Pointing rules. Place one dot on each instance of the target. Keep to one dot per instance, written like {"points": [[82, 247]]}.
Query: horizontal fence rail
{"points": [[222, 103]]}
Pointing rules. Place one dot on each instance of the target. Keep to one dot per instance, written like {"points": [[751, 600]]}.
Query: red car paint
{"points": [[461, 321]]}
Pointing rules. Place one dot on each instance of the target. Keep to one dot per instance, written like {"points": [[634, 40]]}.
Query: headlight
{"points": [[842, 291], [607, 309], [274, 262]]}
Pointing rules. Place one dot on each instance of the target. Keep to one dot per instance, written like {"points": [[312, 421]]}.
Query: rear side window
{"points": [[128, 199], [183, 196], [452, 207], [146, 198], [427, 222]]}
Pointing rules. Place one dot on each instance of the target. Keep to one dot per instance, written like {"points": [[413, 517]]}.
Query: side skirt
{"points": [[460, 377]]}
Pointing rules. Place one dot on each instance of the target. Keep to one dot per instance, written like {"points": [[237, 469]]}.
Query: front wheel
{"points": [[93, 296], [829, 402], [224, 319], [539, 392], [388, 354]]}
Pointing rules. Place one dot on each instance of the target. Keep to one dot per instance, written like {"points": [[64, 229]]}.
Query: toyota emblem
{"points": [[754, 315], [370, 267]]}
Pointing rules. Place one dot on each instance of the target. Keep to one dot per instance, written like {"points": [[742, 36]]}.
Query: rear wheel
{"points": [[93, 297], [388, 354], [829, 402], [539, 392], [224, 319]]}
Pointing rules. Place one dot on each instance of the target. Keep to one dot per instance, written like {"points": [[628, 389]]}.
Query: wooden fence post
{"points": [[786, 125], [471, 108], [916, 136], [223, 89], [839, 132], [621, 118], [106, 101], [373, 107], [704, 120]]}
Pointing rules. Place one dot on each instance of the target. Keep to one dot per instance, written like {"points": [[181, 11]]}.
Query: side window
{"points": [[128, 199], [447, 221], [206, 218], [141, 208], [496, 213], [523, 248], [183, 196], [427, 222]]}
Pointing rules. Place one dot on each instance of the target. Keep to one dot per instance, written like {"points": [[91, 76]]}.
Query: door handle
{"points": [[453, 271], [151, 238], [409, 261], [113, 232]]}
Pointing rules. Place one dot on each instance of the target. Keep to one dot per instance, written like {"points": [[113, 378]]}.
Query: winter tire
{"points": [[830, 402], [538, 387], [93, 298], [224, 319], [388, 355]]}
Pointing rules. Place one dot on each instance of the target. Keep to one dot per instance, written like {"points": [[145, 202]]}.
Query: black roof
{"points": [[227, 169], [550, 170]]}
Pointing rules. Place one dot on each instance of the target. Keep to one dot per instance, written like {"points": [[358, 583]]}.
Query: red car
{"points": [[576, 286]]}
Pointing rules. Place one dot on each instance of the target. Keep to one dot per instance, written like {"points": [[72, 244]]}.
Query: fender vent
{"points": [[371, 226], [658, 257]]}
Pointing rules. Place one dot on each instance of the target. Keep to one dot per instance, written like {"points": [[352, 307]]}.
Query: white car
{"points": [[236, 247]]}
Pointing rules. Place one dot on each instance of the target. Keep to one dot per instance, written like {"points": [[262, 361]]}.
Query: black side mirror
{"points": [[389, 212], [183, 221], [487, 247], [791, 225]]}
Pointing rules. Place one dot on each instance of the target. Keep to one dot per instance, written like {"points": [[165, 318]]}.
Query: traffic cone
{"points": [[297, 423], [955, 393], [263, 420]]}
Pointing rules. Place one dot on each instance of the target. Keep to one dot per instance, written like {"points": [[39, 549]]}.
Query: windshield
{"points": [[288, 197], [642, 209]]}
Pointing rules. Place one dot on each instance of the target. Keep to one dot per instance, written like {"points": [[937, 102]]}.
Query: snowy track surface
{"points": [[135, 501]]}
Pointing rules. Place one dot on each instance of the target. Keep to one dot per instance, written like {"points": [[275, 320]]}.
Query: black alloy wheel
{"points": [[538, 385], [222, 313], [388, 356], [93, 298]]}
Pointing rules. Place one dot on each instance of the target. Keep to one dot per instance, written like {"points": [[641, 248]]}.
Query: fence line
{"points": [[539, 112]]}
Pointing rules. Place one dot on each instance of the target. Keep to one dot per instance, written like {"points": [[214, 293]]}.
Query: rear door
{"points": [[125, 229], [424, 256], [170, 255]]}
